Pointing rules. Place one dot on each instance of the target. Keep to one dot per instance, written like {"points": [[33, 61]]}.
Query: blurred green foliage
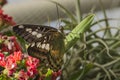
{"points": [[91, 54]]}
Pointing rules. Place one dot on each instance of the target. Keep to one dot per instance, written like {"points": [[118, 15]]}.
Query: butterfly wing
{"points": [[46, 43], [33, 33]]}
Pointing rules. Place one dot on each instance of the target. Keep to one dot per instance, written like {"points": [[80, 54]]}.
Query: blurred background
{"points": [[44, 11]]}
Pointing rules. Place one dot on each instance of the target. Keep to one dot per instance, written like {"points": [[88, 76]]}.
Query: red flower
{"points": [[15, 44], [11, 72], [31, 71], [9, 44], [32, 64], [2, 60], [5, 20], [1, 56], [10, 65], [32, 61], [17, 56], [10, 62], [22, 75]]}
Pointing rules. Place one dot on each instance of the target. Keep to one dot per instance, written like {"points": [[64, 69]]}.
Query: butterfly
{"points": [[45, 43]]}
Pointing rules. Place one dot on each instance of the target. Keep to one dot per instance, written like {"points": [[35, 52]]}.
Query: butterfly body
{"points": [[46, 43]]}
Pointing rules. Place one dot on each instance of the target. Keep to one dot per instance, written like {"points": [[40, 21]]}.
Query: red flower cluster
{"points": [[32, 64], [31, 69], [11, 64], [16, 64], [8, 44], [5, 20]]}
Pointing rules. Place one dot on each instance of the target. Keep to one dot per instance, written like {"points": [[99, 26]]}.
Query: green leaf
{"points": [[48, 74], [4, 77], [74, 35], [8, 33]]}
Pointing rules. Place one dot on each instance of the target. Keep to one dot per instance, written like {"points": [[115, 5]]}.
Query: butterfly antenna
{"points": [[58, 16]]}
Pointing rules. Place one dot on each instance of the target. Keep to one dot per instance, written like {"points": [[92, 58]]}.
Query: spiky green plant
{"points": [[89, 55]]}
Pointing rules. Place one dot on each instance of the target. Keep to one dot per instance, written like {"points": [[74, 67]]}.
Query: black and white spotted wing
{"points": [[46, 43], [34, 33]]}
